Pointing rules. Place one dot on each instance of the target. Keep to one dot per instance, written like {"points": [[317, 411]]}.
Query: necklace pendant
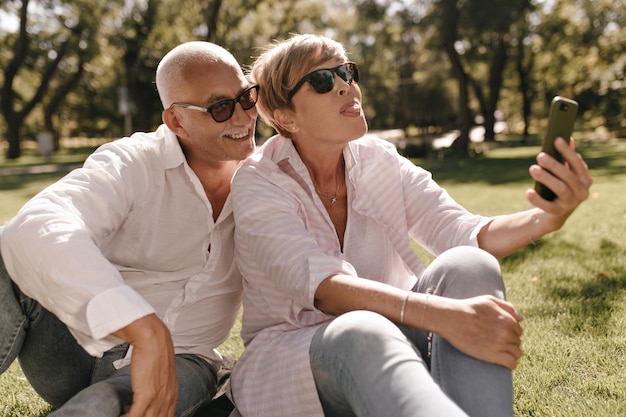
{"points": [[333, 199]]}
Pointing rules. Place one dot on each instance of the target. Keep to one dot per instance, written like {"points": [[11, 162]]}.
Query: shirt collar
{"points": [[283, 150], [174, 155]]}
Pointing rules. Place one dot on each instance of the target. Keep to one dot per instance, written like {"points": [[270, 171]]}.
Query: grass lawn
{"points": [[570, 286]]}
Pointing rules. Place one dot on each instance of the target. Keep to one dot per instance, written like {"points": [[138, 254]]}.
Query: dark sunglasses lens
{"points": [[348, 72], [353, 70], [223, 110], [248, 98], [344, 73], [322, 81]]}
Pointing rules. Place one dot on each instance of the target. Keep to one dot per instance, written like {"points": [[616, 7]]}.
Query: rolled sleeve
{"points": [[114, 309]]}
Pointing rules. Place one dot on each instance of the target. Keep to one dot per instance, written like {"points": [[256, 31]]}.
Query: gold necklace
{"points": [[333, 197]]}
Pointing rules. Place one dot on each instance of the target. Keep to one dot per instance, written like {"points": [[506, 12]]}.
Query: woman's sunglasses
{"points": [[224, 109], [323, 80]]}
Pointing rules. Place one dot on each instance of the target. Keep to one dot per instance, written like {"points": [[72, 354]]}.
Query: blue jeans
{"points": [[71, 380], [364, 365]]}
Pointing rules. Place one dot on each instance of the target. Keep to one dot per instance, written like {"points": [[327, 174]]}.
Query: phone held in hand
{"points": [[563, 112]]}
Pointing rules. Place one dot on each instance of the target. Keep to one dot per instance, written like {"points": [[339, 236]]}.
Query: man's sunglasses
{"points": [[323, 80], [224, 109]]}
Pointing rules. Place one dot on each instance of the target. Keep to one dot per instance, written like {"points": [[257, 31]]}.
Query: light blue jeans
{"points": [[364, 365], [67, 377]]}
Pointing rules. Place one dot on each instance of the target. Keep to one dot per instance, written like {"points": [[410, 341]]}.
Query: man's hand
{"points": [[152, 370], [483, 327]]}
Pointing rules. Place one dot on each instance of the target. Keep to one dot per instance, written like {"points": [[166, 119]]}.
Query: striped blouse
{"points": [[286, 245]]}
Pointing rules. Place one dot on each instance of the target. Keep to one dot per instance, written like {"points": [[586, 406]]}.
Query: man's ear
{"points": [[285, 119], [171, 120]]}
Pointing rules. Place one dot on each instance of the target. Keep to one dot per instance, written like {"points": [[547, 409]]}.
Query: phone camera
{"points": [[563, 107]]}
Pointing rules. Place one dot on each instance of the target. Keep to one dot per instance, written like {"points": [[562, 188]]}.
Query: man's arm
{"points": [[153, 374]]}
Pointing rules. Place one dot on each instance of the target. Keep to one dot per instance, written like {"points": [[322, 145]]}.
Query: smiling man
{"points": [[117, 282]]}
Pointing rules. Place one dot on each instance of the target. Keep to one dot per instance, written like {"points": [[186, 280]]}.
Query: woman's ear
{"points": [[285, 119]]}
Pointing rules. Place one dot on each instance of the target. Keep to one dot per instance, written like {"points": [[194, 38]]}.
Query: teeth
{"points": [[237, 135]]}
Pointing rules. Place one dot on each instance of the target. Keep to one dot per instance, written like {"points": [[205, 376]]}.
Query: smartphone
{"points": [[563, 112]]}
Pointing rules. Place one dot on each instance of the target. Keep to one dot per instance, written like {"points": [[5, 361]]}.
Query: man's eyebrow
{"points": [[217, 98]]}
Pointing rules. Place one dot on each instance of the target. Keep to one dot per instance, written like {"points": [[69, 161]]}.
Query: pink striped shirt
{"points": [[286, 245]]}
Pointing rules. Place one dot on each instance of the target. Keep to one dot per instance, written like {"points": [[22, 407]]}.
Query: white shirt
{"points": [[286, 245], [129, 234]]}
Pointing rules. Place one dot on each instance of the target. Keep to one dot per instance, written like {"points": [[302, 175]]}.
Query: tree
{"points": [[139, 60], [476, 37], [58, 31], [447, 16], [423, 62], [524, 61], [582, 56], [492, 25]]}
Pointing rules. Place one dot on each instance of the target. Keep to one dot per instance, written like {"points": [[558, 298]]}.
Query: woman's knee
{"points": [[356, 326], [463, 272], [356, 336], [352, 351]]}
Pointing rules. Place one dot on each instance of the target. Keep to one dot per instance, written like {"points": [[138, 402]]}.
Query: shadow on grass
{"points": [[478, 170], [604, 160], [583, 298], [19, 181]]}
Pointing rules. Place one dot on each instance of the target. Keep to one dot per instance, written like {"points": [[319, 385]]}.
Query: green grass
{"points": [[570, 286], [18, 398]]}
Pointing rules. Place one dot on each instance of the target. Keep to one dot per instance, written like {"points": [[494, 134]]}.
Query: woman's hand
{"points": [[569, 181], [483, 327]]}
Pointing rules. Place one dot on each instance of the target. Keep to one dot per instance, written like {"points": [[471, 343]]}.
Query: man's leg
{"points": [[197, 384], [54, 364], [481, 389], [109, 397]]}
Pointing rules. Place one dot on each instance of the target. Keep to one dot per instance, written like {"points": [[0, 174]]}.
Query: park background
{"points": [[461, 86]]}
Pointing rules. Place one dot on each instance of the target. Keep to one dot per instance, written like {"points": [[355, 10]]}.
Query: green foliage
{"points": [[560, 47]]}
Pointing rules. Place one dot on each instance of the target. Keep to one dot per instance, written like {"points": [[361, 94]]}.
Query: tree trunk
{"points": [[14, 124], [495, 84], [461, 144], [524, 74], [448, 26], [211, 13], [140, 90]]}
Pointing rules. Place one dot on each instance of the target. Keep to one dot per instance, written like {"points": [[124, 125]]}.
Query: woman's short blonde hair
{"points": [[279, 68]]}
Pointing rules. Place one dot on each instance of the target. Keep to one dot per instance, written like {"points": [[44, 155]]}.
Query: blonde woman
{"points": [[340, 316]]}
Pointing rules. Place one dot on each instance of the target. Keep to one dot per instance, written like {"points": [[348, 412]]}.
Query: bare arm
{"points": [[153, 374], [569, 181], [483, 327]]}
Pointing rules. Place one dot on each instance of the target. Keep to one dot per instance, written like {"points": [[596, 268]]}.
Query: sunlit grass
{"points": [[570, 286], [17, 398]]}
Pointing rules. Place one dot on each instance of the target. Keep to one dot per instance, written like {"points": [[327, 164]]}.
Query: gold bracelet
{"points": [[404, 307], [424, 311], [533, 220]]}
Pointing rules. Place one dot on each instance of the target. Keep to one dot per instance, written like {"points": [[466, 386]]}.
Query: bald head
{"points": [[173, 71]]}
